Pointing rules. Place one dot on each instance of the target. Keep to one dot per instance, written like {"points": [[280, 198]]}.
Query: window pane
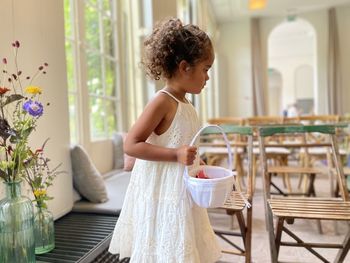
{"points": [[110, 77], [111, 117], [99, 30], [97, 118], [92, 28], [93, 3], [107, 6], [94, 75], [108, 37], [70, 67], [73, 118], [68, 25]]}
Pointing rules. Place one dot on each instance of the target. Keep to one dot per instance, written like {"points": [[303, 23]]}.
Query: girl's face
{"points": [[198, 74]]}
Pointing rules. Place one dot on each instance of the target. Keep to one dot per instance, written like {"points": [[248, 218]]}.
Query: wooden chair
{"points": [[291, 120], [287, 209], [227, 120], [319, 119], [312, 155], [236, 205], [217, 152], [277, 155], [261, 120]]}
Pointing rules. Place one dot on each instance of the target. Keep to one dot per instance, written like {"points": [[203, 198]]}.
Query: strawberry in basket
{"points": [[201, 175]]}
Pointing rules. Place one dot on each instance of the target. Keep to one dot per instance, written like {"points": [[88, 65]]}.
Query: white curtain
{"points": [[334, 76], [257, 70]]}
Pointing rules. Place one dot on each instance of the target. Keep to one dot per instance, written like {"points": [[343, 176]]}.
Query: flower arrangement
{"points": [[40, 176], [20, 108]]}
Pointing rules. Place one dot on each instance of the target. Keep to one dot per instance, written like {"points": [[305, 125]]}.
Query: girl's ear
{"points": [[184, 67]]}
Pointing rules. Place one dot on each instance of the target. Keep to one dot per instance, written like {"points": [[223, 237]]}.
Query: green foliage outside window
{"points": [[98, 68]]}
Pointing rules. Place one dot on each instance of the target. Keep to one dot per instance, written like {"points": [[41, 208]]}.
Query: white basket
{"points": [[212, 192]]}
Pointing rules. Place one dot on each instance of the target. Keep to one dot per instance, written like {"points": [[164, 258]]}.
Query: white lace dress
{"points": [[159, 223]]}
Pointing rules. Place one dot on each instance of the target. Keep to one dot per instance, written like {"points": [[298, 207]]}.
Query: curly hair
{"points": [[169, 44]]}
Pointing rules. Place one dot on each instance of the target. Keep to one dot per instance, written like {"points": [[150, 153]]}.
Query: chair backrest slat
{"points": [[322, 128], [263, 120], [314, 119], [227, 120], [242, 130]]}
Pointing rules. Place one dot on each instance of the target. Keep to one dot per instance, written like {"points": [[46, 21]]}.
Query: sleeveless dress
{"points": [[159, 223]]}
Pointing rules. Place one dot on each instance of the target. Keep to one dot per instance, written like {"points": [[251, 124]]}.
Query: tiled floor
{"points": [[306, 229]]}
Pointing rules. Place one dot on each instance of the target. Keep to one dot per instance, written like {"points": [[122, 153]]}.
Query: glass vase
{"points": [[44, 231], [17, 243]]}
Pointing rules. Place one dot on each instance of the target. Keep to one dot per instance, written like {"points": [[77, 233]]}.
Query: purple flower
{"points": [[34, 108]]}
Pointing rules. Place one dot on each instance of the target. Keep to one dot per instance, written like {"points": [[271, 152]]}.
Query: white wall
{"points": [[235, 82], [234, 48], [39, 26], [343, 17]]}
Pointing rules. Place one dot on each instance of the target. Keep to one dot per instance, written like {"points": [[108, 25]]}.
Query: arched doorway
{"points": [[292, 52]]}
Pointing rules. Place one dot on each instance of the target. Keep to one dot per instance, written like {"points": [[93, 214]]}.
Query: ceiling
{"points": [[226, 11]]}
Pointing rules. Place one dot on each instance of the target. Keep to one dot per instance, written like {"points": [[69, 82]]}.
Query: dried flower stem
{"points": [[16, 66]]}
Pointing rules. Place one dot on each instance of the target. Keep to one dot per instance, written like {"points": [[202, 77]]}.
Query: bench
{"points": [[83, 238], [84, 234]]}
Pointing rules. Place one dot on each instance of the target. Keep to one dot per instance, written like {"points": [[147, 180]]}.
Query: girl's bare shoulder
{"points": [[162, 101]]}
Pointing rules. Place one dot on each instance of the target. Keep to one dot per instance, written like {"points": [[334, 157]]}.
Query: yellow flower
{"points": [[39, 192], [33, 90]]}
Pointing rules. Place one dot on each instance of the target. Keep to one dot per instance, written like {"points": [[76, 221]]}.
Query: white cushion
{"points": [[117, 185], [86, 178], [118, 150]]}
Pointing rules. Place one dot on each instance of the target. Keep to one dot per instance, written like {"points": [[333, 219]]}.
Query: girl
{"points": [[158, 222]]}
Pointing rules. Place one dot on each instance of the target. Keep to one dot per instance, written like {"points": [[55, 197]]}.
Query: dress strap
{"points": [[187, 101], [171, 95]]}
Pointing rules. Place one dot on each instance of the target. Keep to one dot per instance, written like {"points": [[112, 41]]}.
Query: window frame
{"points": [[80, 50]]}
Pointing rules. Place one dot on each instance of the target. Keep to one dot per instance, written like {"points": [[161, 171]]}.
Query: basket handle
{"points": [[229, 159]]}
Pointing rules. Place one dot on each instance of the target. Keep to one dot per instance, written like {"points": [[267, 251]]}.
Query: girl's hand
{"points": [[186, 154]]}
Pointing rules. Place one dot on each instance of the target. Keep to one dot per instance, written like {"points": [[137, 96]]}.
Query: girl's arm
{"points": [[160, 110]]}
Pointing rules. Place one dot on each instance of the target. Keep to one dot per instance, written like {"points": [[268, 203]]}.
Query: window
{"points": [[92, 68], [71, 71], [196, 12]]}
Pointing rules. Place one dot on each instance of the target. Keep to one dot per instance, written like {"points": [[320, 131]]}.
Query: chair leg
{"points": [[288, 183], [346, 246], [283, 161], [248, 241], [232, 221], [254, 161], [242, 226], [272, 238], [232, 218], [311, 192], [246, 230], [279, 228], [311, 188], [240, 170]]}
